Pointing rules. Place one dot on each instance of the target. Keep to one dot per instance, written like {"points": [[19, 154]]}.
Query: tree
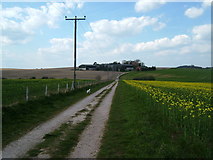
{"points": [[137, 64], [142, 64], [116, 62], [138, 60]]}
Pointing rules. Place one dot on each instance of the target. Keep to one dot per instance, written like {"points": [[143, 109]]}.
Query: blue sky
{"points": [[162, 34]]}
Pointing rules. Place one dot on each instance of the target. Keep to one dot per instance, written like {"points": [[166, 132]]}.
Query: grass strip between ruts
{"points": [[59, 143]]}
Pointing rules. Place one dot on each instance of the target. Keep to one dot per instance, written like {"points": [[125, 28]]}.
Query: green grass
{"points": [[14, 90], [19, 119], [182, 75], [135, 130]]}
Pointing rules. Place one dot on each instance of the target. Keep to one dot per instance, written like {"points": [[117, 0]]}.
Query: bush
{"points": [[146, 78], [44, 78], [153, 68], [33, 78]]}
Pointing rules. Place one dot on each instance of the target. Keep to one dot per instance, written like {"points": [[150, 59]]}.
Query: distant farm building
{"points": [[128, 67], [106, 67], [85, 67]]}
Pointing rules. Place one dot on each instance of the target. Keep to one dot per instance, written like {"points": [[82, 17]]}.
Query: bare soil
{"points": [[58, 73]]}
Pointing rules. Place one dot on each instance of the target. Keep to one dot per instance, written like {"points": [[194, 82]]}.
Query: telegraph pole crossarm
{"points": [[75, 37], [76, 18]]}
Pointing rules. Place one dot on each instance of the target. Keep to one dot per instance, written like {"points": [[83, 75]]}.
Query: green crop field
{"points": [[182, 75], [170, 117], [14, 90]]}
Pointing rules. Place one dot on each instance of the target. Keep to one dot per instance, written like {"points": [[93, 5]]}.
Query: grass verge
{"points": [[136, 130], [20, 119]]}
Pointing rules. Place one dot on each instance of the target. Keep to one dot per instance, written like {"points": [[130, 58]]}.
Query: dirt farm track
{"points": [[58, 73]]}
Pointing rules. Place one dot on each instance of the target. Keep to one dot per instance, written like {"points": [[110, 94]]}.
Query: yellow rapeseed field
{"points": [[188, 103], [196, 99]]}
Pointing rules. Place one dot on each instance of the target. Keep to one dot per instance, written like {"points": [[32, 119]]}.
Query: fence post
{"points": [[58, 88], [67, 87], [27, 93], [46, 90], [72, 86]]}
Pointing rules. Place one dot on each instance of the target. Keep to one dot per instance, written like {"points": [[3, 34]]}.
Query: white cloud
{"points": [[58, 46], [20, 24], [202, 32], [15, 12], [166, 52], [107, 34], [159, 26], [59, 53], [206, 3], [156, 45], [13, 32], [146, 6], [5, 40], [195, 12], [102, 38], [178, 49], [122, 28], [199, 42], [74, 3]]}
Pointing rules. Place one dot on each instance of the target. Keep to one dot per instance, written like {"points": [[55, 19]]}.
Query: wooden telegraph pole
{"points": [[75, 29]]}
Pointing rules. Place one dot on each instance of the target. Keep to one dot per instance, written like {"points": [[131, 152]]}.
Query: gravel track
{"points": [[19, 148], [90, 140]]}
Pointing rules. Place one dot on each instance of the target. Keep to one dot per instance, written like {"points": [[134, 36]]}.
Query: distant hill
{"points": [[190, 66]]}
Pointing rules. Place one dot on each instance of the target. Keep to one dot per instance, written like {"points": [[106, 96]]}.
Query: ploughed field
{"points": [[57, 73]]}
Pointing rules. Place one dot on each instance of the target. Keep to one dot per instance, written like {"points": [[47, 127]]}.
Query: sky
{"points": [[161, 33]]}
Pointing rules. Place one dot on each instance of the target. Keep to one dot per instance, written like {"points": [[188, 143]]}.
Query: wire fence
{"points": [[17, 93]]}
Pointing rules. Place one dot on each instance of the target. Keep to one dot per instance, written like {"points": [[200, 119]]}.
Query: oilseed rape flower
{"points": [[191, 97], [188, 104]]}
